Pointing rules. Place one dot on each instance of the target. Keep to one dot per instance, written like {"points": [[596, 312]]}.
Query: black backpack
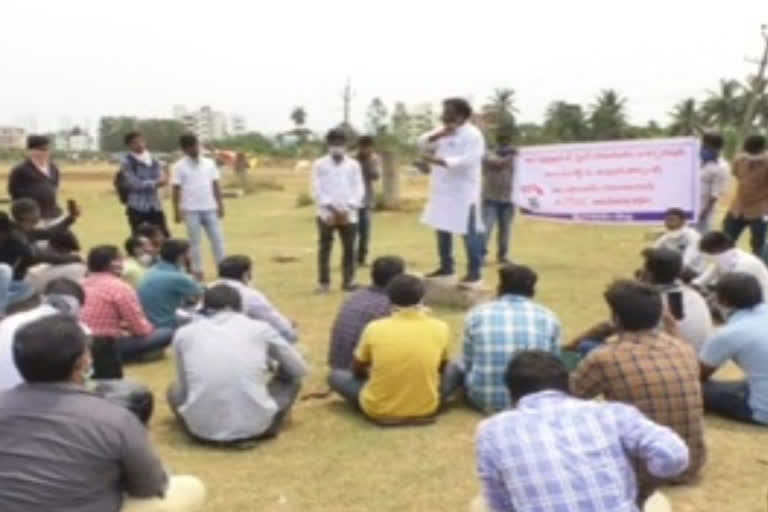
{"points": [[120, 183]]}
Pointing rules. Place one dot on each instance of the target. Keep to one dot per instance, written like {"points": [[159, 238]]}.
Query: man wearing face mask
{"points": [[139, 258], [339, 192], [37, 178], [715, 174], [455, 155], [113, 313], [726, 258]]}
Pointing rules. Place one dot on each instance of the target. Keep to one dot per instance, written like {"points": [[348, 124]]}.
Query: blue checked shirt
{"points": [[493, 333], [141, 180], [556, 453]]}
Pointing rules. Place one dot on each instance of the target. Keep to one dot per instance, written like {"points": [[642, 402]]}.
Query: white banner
{"points": [[631, 181]]}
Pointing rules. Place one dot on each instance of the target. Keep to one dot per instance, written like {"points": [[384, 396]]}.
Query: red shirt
{"points": [[112, 307]]}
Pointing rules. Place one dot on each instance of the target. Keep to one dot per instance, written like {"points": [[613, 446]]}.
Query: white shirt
{"points": [[696, 325], [339, 185], [196, 177], [455, 187], [9, 375], [714, 180], [735, 260], [686, 242]]}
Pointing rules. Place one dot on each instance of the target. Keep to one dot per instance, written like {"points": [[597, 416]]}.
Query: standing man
{"points": [[197, 199], [714, 179], [750, 205], [498, 171], [370, 164], [37, 178], [138, 180], [339, 192], [455, 155]]}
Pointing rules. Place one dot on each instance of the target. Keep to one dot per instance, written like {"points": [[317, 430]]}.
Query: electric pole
{"points": [[758, 88], [346, 97]]}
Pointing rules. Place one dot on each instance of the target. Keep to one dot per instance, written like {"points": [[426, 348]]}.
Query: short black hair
{"points": [[5, 223], [677, 212], [38, 142], [366, 140], [101, 257], [665, 265], [47, 349], [235, 267], [517, 280], [24, 207], [188, 140], [64, 241], [220, 297], [149, 230], [386, 268], [336, 135], [64, 286], [715, 242], [713, 140], [460, 105], [739, 290], [405, 290], [754, 144], [531, 371], [636, 305], [172, 250], [132, 243], [130, 137]]}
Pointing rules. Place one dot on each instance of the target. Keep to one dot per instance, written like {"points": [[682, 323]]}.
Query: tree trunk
{"points": [[390, 180], [758, 90]]}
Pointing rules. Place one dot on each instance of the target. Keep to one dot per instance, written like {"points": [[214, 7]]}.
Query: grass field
{"points": [[329, 459]]}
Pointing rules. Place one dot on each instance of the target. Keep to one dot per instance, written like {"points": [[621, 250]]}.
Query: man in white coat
{"points": [[455, 155]]}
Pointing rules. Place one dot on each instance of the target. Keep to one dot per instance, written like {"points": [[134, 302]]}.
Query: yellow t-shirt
{"points": [[133, 272], [405, 352]]}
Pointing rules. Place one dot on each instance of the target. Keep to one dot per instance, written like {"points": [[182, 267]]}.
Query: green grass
{"points": [[329, 459]]}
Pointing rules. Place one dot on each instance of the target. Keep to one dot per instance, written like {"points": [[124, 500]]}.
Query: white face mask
{"points": [[337, 150], [145, 259]]}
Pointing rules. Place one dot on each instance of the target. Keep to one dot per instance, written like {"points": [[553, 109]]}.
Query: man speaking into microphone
{"points": [[454, 154]]}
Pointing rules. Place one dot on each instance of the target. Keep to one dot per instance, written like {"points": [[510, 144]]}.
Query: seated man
{"points": [[682, 238], [555, 452], [139, 256], [112, 310], [62, 243], [63, 448], [396, 372], [649, 369], [167, 286], [495, 331], [156, 237], [744, 339], [237, 377], [727, 259], [236, 271], [362, 307]]}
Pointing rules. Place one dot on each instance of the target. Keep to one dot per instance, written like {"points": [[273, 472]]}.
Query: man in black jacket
{"points": [[37, 178]]}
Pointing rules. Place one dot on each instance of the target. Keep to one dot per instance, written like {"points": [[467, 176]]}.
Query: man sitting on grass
{"points": [[495, 331], [396, 372], [63, 448], [554, 452], [237, 272], [237, 377], [361, 308], [682, 238], [66, 245], [744, 339], [728, 258], [649, 369], [138, 258]]}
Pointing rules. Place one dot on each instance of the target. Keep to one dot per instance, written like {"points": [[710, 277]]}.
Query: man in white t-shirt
{"points": [[726, 259], [683, 239], [715, 175], [197, 199]]}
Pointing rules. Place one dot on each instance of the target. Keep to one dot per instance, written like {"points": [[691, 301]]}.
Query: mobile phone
{"points": [[675, 305]]}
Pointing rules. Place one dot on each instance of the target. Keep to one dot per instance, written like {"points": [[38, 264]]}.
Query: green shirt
{"points": [[163, 291]]}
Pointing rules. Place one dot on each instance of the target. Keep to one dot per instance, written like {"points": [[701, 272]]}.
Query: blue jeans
{"points": [[363, 233], [196, 222], [473, 245], [134, 347], [11, 290], [734, 226], [729, 399], [503, 212]]}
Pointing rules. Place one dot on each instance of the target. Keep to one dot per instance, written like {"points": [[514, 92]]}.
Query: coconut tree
{"points": [[725, 106], [607, 117], [686, 118], [500, 109], [565, 122]]}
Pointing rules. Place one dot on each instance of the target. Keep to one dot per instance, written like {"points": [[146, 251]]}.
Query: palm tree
{"points": [[686, 118], [565, 122], [499, 112], [725, 106], [299, 117], [608, 118]]}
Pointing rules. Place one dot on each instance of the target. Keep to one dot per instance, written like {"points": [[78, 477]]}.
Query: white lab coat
{"points": [[455, 188]]}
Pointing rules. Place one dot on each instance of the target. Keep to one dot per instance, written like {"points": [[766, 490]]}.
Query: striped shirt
{"points": [[141, 180], [493, 333]]}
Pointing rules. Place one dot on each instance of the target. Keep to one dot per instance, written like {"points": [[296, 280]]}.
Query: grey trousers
{"points": [[283, 389]]}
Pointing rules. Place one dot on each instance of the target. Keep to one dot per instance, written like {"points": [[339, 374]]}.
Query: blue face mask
{"points": [[708, 155]]}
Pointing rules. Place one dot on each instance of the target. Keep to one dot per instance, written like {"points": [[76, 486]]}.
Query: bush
{"points": [[303, 200]]}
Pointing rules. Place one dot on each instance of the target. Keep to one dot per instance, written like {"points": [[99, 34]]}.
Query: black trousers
{"points": [[107, 362], [347, 233], [135, 397], [156, 217]]}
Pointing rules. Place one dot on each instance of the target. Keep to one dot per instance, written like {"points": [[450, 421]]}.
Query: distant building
{"points": [[238, 125], [12, 137], [75, 140], [206, 123]]}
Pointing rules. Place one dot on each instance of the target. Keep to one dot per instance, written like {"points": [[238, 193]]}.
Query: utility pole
{"points": [[758, 88], [346, 97]]}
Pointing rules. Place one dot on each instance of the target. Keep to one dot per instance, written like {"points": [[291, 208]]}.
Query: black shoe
{"points": [[438, 273]]}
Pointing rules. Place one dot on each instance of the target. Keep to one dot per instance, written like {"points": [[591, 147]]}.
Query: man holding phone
{"points": [[339, 191]]}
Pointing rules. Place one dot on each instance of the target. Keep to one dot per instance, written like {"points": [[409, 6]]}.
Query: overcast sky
{"points": [[80, 59]]}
